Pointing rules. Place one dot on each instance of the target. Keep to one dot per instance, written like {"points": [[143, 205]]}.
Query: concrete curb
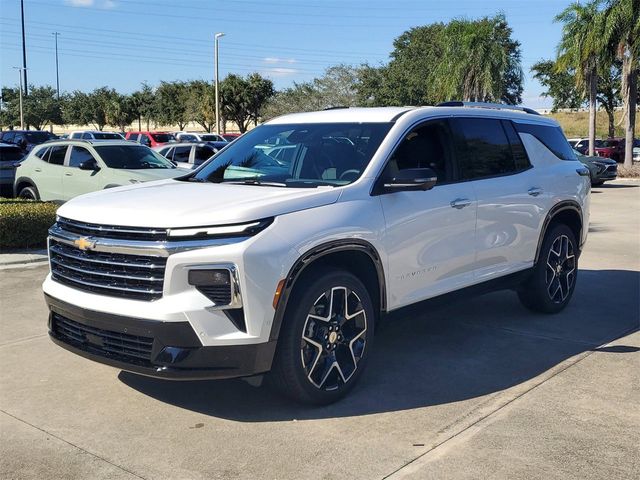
{"points": [[23, 258]]}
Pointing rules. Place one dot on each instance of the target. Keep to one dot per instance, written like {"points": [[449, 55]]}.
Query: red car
{"points": [[612, 148], [151, 139]]}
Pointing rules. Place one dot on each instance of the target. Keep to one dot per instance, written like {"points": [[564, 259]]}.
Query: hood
{"points": [[149, 174], [174, 204]]}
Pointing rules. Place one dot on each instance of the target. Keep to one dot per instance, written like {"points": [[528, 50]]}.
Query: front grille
{"points": [[119, 275], [120, 346], [111, 231]]}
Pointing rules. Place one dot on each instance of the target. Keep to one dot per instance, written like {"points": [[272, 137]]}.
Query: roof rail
{"points": [[495, 106], [337, 107]]}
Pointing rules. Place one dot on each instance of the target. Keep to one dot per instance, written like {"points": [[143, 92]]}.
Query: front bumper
{"points": [[169, 350]]}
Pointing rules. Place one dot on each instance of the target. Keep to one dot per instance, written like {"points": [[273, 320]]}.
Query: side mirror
{"points": [[412, 179], [89, 165]]}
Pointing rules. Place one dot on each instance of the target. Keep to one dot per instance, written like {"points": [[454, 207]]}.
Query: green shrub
{"points": [[25, 223]]}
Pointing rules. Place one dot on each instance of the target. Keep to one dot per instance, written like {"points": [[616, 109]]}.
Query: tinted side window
{"points": [[133, 136], [551, 137], [426, 146], [41, 153], [57, 154], [79, 155], [483, 148], [10, 154], [8, 137], [87, 136], [181, 154], [517, 148], [75, 135]]}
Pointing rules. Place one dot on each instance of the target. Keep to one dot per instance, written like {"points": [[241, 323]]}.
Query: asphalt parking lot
{"points": [[481, 388]]}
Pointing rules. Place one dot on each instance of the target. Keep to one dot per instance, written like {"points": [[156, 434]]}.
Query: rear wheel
{"points": [[553, 280], [596, 183], [326, 338], [29, 193]]}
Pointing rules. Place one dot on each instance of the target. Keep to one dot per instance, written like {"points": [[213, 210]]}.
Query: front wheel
{"points": [[326, 338], [553, 280]]}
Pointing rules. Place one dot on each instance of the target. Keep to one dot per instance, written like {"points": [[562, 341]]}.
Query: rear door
{"points": [[511, 199], [76, 181], [48, 176], [429, 235]]}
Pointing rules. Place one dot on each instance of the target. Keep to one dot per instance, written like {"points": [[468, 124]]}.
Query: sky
{"points": [[122, 43]]}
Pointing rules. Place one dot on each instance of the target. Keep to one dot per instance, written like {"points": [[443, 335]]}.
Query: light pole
{"points": [[216, 37], [55, 34], [24, 49], [20, 71]]}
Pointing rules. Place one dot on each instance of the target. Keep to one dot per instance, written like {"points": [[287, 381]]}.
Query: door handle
{"points": [[38, 169], [460, 203], [67, 174], [534, 191]]}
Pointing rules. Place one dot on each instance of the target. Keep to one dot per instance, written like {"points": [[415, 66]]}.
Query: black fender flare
{"points": [[20, 180], [553, 212], [314, 254]]}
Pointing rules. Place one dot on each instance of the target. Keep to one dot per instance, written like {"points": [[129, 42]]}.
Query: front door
{"points": [[430, 235], [76, 181]]}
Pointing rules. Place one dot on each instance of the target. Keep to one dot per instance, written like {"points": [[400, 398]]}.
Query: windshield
{"points": [[608, 143], [163, 137], [299, 155], [107, 136], [134, 157], [39, 137]]}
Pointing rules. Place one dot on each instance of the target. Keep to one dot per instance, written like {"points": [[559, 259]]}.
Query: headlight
{"points": [[239, 230]]}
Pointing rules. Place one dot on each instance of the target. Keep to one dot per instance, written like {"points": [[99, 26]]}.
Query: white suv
{"points": [[253, 263]]}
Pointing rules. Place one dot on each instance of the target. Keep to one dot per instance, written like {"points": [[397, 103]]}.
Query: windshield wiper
{"points": [[255, 181]]}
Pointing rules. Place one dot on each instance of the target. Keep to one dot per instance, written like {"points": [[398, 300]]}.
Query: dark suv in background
{"points": [[26, 139]]}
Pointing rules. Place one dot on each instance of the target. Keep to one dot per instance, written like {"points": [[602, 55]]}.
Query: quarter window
{"points": [[483, 148], [79, 155], [57, 154], [550, 137], [42, 153]]}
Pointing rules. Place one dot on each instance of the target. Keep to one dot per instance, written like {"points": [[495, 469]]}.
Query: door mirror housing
{"points": [[89, 165], [411, 179]]}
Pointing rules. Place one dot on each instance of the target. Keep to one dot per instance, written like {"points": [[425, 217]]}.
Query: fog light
{"points": [[209, 277], [213, 284]]}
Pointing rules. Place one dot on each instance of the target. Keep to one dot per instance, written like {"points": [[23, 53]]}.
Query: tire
{"points": [[29, 193], [321, 355], [551, 285], [596, 183]]}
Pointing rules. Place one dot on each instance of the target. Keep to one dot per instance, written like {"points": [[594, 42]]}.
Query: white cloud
{"points": [[280, 71], [279, 60], [91, 3], [79, 3]]}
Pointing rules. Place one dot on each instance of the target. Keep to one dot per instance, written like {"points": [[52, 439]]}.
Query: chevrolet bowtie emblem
{"points": [[83, 243]]}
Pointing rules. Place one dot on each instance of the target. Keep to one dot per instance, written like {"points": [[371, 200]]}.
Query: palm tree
{"points": [[619, 29], [579, 50]]}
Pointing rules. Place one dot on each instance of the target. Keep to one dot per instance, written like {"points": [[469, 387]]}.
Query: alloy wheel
{"points": [[561, 267], [333, 338]]}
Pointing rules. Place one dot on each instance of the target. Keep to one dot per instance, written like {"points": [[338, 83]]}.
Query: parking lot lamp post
{"points": [[216, 37], [20, 70], [55, 34]]}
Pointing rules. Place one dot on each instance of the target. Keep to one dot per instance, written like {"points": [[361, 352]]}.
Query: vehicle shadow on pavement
{"points": [[428, 355], [608, 186]]}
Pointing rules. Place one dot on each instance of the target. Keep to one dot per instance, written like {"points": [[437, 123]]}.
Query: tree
{"points": [[9, 116], [41, 107], [143, 102], [302, 97], [171, 103], [77, 109], [560, 85], [619, 36], [200, 104], [463, 60], [578, 50], [243, 99], [121, 111], [608, 92]]}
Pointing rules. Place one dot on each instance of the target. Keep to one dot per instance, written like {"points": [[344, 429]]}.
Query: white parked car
{"points": [[198, 137], [253, 263], [188, 155], [94, 135]]}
